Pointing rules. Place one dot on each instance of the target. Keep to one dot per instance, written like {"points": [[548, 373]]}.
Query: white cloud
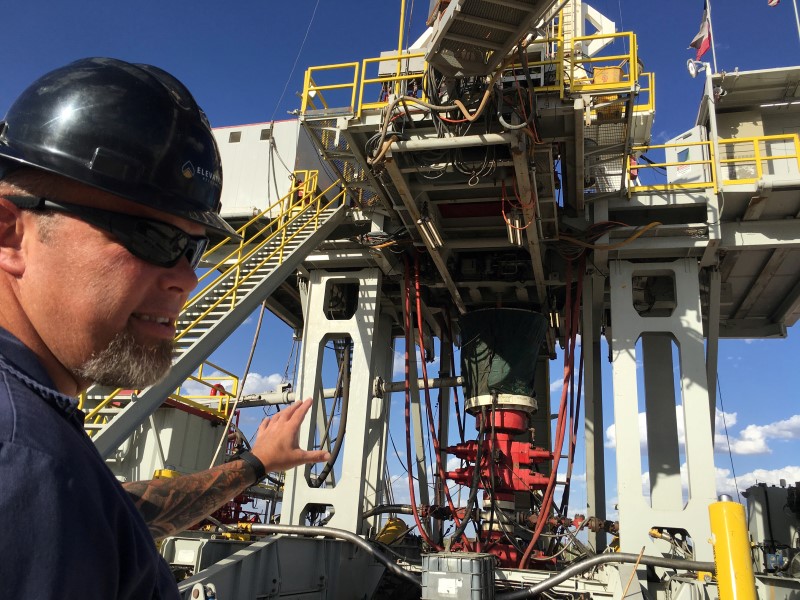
{"points": [[453, 463], [399, 366], [727, 485], [753, 439], [254, 384], [260, 384]]}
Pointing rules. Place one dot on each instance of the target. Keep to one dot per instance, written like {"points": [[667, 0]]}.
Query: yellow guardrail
{"points": [[391, 84], [276, 228], [312, 92], [222, 386], [230, 265], [749, 156], [619, 73], [647, 89], [221, 389], [761, 157], [616, 72]]}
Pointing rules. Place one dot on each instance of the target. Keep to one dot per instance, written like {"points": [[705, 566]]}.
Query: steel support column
{"points": [[637, 512], [594, 287], [360, 479]]}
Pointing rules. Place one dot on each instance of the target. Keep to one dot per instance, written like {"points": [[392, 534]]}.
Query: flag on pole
{"points": [[702, 41]]}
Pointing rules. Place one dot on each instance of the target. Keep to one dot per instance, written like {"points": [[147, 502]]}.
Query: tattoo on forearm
{"points": [[172, 505]]}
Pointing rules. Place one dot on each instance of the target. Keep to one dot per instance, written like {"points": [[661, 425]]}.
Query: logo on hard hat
{"points": [[189, 171]]}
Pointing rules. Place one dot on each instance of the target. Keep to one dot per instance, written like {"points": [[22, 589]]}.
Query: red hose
{"points": [[429, 409], [412, 494], [572, 330]]}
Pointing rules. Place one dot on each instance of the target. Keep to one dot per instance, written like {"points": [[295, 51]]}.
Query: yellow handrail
{"points": [[311, 89], [648, 88], [395, 79], [360, 79], [757, 160], [282, 227]]}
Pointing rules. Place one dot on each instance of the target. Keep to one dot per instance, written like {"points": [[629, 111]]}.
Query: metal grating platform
{"points": [[471, 37]]}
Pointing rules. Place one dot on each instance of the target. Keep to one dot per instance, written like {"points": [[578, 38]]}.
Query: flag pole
{"points": [[711, 33], [796, 18]]}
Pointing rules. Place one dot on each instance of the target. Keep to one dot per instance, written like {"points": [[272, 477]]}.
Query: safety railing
{"points": [[277, 231], [400, 81], [598, 74], [313, 92], [250, 247], [221, 386], [605, 72], [747, 160], [742, 161], [646, 96]]}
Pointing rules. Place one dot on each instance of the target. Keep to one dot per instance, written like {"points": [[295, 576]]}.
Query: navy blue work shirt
{"points": [[67, 527]]}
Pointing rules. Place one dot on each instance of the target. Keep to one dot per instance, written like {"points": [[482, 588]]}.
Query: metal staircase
{"points": [[240, 277]]}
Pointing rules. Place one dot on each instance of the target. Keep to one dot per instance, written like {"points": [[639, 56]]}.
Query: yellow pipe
{"points": [[731, 551], [400, 39]]}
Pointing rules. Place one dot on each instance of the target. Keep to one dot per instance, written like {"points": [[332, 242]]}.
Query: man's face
{"points": [[106, 316]]}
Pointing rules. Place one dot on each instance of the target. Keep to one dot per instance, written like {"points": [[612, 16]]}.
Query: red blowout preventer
{"points": [[506, 466]]}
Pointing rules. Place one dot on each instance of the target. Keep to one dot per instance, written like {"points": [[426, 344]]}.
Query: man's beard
{"points": [[127, 363]]}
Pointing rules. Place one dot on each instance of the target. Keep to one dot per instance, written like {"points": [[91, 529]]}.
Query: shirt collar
{"points": [[21, 362]]}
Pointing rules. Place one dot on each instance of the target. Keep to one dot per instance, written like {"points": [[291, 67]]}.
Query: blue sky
{"points": [[237, 58]]}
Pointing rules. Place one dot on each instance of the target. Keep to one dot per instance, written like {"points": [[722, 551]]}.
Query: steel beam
{"points": [[525, 188], [712, 344], [411, 206]]}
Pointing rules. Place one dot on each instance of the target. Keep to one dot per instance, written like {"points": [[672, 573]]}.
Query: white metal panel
{"points": [[675, 153], [253, 159]]}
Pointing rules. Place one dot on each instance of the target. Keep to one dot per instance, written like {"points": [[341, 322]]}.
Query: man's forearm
{"points": [[172, 505]]}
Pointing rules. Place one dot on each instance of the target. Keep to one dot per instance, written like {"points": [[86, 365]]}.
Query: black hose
{"points": [[339, 534], [601, 559], [316, 482], [403, 509], [476, 476]]}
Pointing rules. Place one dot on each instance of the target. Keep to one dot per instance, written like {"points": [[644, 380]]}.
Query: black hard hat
{"points": [[132, 130]]}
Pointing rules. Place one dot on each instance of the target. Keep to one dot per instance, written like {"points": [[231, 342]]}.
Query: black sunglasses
{"points": [[153, 241]]}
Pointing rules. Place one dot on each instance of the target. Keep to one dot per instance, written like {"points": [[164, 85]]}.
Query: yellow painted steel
{"points": [[732, 551], [760, 160], [401, 35], [311, 89], [565, 77], [392, 531], [165, 474], [397, 81]]}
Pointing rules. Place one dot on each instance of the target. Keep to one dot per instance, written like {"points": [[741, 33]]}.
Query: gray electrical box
{"points": [[458, 576]]}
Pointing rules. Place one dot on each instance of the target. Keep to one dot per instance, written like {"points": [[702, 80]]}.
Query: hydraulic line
{"points": [[409, 343], [402, 509], [331, 532], [317, 481], [429, 410], [461, 424], [574, 406], [602, 559], [572, 331], [243, 380], [385, 144], [476, 477]]}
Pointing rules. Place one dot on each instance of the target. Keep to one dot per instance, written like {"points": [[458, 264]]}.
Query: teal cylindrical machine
{"points": [[499, 350]]}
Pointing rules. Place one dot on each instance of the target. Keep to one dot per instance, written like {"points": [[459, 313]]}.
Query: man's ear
{"points": [[12, 229]]}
